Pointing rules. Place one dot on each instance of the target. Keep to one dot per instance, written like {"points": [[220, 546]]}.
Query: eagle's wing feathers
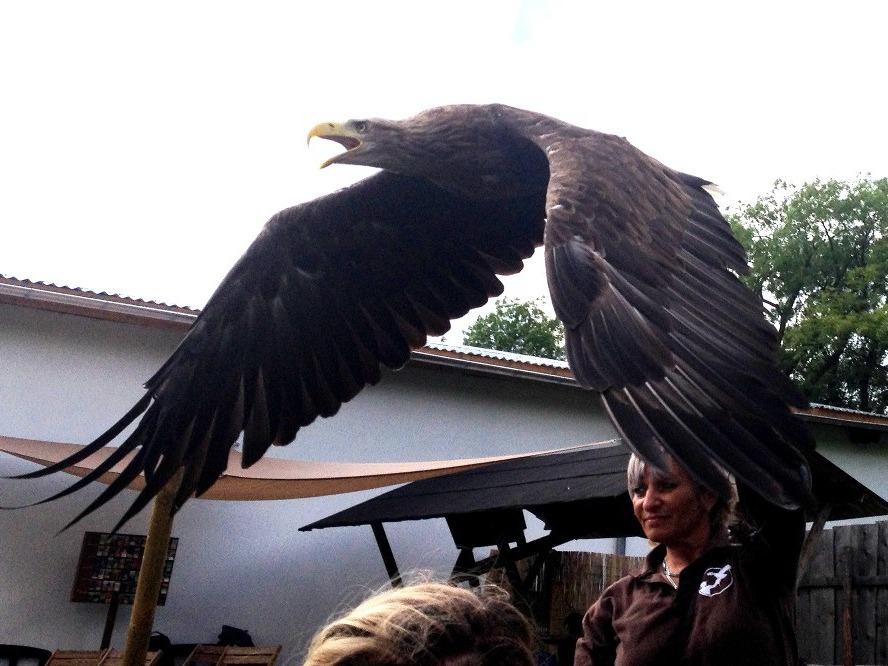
{"points": [[642, 269], [328, 292]]}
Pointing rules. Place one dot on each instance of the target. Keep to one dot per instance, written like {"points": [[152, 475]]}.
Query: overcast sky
{"points": [[143, 145]]}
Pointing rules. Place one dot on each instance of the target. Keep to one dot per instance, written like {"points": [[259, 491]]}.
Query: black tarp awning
{"points": [[579, 491], [560, 488]]}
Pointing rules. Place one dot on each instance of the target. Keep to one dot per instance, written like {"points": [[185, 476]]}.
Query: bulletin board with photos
{"points": [[109, 567]]}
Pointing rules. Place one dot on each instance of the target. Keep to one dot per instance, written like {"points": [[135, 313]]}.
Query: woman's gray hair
{"points": [[721, 516]]}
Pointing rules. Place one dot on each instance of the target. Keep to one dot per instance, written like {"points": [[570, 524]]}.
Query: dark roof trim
{"points": [[468, 362], [840, 416]]}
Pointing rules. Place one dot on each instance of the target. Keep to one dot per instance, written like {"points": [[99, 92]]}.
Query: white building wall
{"points": [[66, 378], [866, 461]]}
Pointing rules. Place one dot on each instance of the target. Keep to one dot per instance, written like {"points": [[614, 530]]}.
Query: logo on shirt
{"points": [[716, 580]]}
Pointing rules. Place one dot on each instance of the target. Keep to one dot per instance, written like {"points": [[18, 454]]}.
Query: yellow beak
{"points": [[338, 132]]}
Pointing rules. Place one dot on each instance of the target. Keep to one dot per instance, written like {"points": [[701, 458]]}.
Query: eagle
{"points": [[642, 269]]}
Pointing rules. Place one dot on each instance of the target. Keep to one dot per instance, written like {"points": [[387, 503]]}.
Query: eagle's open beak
{"points": [[342, 134]]}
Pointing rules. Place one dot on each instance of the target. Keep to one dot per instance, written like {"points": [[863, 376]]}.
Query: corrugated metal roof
{"points": [[828, 414], [499, 355], [839, 410], [86, 293], [68, 300]]}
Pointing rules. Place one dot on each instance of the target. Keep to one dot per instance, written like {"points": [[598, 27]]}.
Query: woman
{"points": [[701, 599], [424, 625]]}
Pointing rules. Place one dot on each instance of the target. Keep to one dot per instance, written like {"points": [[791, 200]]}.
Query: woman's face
{"points": [[670, 507]]}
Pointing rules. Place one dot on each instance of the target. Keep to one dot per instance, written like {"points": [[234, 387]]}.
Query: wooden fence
{"points": [[568, 583], [573, 581], [842, 608]]}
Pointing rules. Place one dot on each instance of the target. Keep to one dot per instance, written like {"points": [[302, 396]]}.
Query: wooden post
{"points": [[109, 621], [388, 557], [812, 536], [148, 587], [847, 612]]}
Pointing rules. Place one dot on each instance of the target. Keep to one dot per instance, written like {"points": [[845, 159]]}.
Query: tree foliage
{"points": [[517, 326], [819, 257]]}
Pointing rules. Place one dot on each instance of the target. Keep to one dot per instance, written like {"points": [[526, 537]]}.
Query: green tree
{"points": [[819, 257], [519, 327]]}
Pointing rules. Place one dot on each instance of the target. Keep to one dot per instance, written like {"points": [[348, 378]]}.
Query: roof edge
{"points": [[66, 300], [85, 303]]}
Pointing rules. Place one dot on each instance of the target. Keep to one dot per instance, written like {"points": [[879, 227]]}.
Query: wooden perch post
{"points": [[150, 580]]}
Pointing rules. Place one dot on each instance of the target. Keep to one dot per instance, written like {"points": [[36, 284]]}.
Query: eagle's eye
{"points": [[360, 126]]}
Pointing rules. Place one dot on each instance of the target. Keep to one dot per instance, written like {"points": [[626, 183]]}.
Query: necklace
{"points": [[669, 575]]}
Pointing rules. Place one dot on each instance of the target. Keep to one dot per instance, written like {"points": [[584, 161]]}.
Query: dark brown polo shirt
{"points": [[734, 606]]}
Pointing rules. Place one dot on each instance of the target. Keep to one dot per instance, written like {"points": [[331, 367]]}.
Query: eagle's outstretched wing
{"points": [[328, 292], [642, 269]]}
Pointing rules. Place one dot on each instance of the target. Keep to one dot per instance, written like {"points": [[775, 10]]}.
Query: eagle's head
{"points": [[462, 148], [371, 142]]}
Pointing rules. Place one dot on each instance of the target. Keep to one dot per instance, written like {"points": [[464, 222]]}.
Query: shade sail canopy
{"points": [[269, 478], [578, 493]]}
